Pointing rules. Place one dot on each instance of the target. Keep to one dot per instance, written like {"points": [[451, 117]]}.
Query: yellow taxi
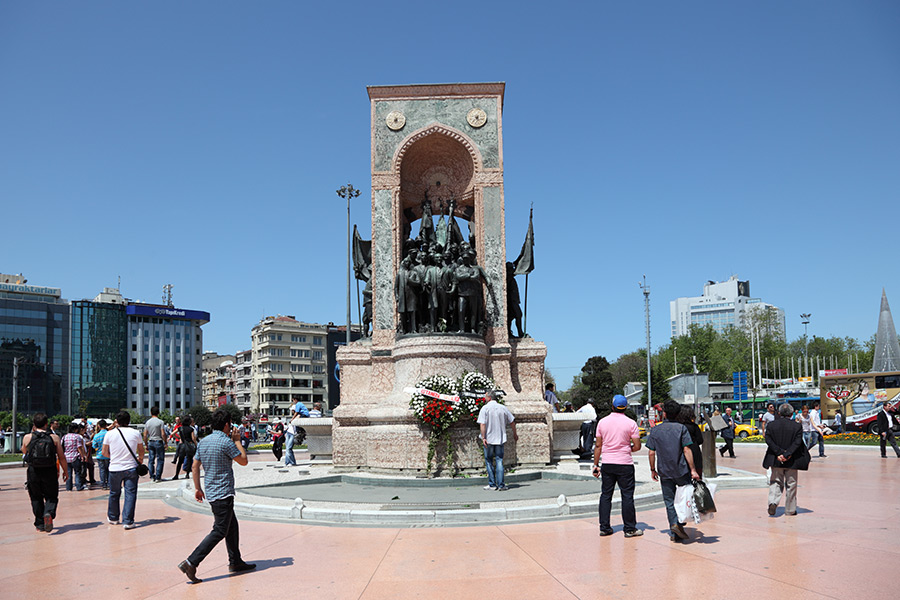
{"points": [[741, 430]]}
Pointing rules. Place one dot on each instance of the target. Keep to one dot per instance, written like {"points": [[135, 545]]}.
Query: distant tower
{"points": [[887, 348]]}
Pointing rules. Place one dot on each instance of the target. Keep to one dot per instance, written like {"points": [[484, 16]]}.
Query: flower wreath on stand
{"points": [[438, 402]]}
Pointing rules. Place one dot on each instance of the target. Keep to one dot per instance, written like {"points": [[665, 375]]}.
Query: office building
{"points": [[165, 353], [288, 364], [99, 354], [722, 305], [34, 332]]}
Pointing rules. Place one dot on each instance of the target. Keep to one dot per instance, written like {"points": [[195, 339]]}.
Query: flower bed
{"points": [[838, 438]]}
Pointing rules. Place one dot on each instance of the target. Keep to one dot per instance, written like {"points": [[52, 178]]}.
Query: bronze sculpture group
{"points": [[439, 287]]}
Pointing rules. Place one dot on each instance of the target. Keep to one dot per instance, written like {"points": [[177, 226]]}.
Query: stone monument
{"points": [[437, 150]]}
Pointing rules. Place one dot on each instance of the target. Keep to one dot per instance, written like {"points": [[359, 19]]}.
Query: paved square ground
{"points": [[843, 543]]}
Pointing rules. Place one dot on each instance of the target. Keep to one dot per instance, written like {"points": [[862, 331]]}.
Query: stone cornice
{"points": [[398, 92]]}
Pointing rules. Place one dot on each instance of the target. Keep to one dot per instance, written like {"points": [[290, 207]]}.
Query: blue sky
{"points": [[201, 143]]}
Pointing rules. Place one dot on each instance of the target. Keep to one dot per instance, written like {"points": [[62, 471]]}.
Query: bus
{"points": [[862, 395]]}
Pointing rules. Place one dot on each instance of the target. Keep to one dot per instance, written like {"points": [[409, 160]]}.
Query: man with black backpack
{"points": [[41, 450]]}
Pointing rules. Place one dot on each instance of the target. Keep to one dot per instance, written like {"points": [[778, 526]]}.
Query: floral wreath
{"points": [[438, 402]]}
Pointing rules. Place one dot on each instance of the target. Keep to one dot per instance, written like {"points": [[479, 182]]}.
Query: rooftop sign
{"points": [[149, 310], [30, 289]]}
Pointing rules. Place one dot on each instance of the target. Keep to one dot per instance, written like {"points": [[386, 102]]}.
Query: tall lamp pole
{"points": [[348, 192], [804, 318], [646, 289]]}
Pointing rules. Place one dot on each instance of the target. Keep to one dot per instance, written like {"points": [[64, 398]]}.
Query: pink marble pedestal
{"points": [[374, 428]]}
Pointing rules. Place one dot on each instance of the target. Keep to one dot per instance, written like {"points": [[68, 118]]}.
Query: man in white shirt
{"points": [[766, 418], [816, 415], [122, 446], [493, 419]]}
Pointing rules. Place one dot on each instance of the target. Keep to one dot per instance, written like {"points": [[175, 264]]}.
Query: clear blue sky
{"points": [[201, 143]]}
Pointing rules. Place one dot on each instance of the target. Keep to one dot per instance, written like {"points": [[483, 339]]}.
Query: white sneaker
{"points": [[111, 522], [129, 526], [490, 487]]}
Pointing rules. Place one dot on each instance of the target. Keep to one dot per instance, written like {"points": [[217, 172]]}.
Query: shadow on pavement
{"points": [[261, 565], [76, 527], [149, 522]]}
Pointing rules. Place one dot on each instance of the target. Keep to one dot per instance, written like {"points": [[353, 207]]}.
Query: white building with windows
{"points": [[165, 357], [288, 364], [242, 378], [723, 304]]}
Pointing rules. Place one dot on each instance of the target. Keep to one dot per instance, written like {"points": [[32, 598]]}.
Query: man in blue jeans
{"points": [[290, 432], [155, 439], [669, 451], [493, 419], [124, 449]]}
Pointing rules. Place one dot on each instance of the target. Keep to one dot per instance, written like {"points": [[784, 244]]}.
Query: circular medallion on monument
{"points": [[476, 118], [395, 120]]}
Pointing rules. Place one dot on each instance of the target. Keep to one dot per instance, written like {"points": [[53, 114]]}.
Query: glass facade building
{"points": [[34, 327], [99, 357]]}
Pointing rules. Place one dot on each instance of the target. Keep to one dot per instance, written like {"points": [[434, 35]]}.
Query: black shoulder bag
{"points": [[142, 469]]}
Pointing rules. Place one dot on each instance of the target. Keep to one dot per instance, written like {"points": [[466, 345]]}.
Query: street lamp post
{"points": [[348, 192], [804, 318], [15, 399]]}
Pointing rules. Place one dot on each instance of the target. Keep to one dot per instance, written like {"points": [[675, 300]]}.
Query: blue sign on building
{"points": [[149, 310]]}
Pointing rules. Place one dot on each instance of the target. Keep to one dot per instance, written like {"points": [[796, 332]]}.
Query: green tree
{"points": [[629, 367], [64, 420], [200, 414], [136, 417], [578, 393], [23, 421], [166, 417], [234, 411], [549, 378], [595, 374]]}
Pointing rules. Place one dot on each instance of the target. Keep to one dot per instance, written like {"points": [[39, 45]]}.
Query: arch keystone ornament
{"points": [[437, 155]]}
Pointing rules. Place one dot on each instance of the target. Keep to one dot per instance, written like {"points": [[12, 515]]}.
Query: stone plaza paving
{"points": [[843, 543]]}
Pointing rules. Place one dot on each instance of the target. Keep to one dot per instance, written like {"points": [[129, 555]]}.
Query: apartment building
{"points": [[288, 364]]}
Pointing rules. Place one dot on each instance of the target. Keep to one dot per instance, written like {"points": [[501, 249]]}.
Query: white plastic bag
{"points": [[684, 500], [685, 508]]}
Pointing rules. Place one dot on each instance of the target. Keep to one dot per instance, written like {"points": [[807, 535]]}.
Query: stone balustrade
{"points": [[318, 437], [566, 436]]}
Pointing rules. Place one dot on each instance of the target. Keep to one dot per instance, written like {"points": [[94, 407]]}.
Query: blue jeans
{"points": [[816, 434], [668, 493], [74, 475], [289, 449], [103, 463], [157, 450], [118, 479], [493, 462]]}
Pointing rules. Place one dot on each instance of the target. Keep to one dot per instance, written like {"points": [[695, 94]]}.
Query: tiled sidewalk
{"points": [[842, 544]]}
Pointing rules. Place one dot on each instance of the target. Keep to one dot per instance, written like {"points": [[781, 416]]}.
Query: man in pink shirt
{"points": [[617, 437]]}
